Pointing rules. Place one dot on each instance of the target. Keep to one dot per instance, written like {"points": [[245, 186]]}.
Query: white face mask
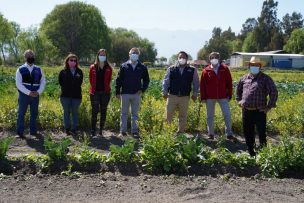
{"points": [[254, 69], [182, 61], [214, 61], [102, 58], [134, 57]]}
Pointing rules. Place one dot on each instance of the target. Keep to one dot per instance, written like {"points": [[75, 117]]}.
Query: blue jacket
{"points": [[129, 81], [180, 85], [31, 80]]}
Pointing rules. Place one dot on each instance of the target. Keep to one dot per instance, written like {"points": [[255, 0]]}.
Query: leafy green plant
{"points": [[88, 157], [275, 160], [123, 154], [4, 144], [190, 148], [57, 151], [159, 153]]}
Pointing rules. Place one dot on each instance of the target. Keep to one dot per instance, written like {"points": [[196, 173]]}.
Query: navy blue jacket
{"points": [[180, 85], [129, 81]]}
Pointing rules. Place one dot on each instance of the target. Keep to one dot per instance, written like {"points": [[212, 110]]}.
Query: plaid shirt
{"points": [[252, 91]]}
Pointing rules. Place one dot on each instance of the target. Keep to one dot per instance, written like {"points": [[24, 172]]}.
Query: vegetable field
{"points": [[158, 149]]}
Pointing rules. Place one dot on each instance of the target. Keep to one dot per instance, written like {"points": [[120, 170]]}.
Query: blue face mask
{"points": [[254, 69], [102, 58], [134, 57]]}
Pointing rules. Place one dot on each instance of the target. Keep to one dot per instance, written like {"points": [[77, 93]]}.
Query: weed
{"points": [[123, 154], [4, 144], [57, 151]]}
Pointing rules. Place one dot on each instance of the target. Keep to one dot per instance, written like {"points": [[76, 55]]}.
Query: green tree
{"points": [[76, 27], [45, 51], [289, 23], [249, 45], [6, 33], [13, 48], [295, 43], [267, 25], [123, 40], [220, 42], [247, 27]]}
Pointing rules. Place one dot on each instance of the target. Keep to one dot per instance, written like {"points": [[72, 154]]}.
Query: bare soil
{"points": [[130, 184]]}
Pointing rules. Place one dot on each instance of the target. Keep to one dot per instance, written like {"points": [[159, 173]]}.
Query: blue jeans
{"points": [[70, 105], [128, 100], [23, 102]]}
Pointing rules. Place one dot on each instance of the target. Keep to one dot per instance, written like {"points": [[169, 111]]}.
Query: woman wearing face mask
{"points": [[256, 93], [70, 80], [100, 79]]}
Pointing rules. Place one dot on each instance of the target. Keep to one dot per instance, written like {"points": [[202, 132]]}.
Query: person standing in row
{"points": [[216, 86], [251, 94], [176, 88], [131, 81], [70, 80], [30, 82], [100, 80]]}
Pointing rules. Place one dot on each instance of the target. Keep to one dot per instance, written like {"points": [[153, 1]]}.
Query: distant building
{"points": [[198, 63], [276, 59]]}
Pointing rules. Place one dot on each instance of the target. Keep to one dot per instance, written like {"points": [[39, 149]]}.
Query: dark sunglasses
{"points": [[73, 60]]}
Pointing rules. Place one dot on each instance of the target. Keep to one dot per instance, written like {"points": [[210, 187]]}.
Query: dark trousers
{"points": [[99, 102], [23, 102], [252, 119]]}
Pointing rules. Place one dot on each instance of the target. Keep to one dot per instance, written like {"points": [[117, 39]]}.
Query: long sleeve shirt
{"points": [[22, 88], [252, 92], [195, 82]]}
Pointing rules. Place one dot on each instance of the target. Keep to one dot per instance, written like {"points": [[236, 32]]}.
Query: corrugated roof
{"points": [[266, 54]]}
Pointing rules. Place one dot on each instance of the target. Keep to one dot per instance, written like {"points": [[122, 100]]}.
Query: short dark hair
{"points": [[182, 52]]}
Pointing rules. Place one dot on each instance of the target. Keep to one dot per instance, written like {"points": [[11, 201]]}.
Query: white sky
{"points": [[161, 15]]}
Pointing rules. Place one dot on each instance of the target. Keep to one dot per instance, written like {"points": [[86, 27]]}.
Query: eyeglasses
{"points": [[73, 60]]}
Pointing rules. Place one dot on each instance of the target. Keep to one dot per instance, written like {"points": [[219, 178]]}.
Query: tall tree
{"points": [[12, 43], [6, 33], [123, 40], [76, 27], [295, 43], [249, 44], [247, 27], [289, 23], [268, 24], [220, 42], [45, 51]]}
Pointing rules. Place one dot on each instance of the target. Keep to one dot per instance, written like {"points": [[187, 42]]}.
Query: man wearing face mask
{"points": [[251, 94], [216, 86], [131, 81], [177, 87], [30, 83]]}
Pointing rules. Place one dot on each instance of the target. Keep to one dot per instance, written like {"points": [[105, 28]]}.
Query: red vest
{"points": [[106, 81]]}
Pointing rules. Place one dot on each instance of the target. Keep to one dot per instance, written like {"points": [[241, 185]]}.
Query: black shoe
{"points": [[34, 134], [122, 134], [93, 134], [231, 137], [252, 153], [211, 137], [20, 135], [67, 132], [74, 132], [100, 133]]}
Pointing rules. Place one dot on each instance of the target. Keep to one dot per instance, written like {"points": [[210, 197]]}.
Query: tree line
{"points": [[80, 28], [265, 33], [74, 27]]}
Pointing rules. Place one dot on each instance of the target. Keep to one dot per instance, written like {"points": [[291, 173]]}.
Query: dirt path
{"points": [[111, 187], [115, 187]]}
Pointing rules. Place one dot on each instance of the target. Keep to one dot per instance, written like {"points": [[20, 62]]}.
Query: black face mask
{"points": [[30, 60]]}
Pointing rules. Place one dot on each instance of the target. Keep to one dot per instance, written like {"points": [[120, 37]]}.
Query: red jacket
{"points": [[214, 86], [106, 81]]}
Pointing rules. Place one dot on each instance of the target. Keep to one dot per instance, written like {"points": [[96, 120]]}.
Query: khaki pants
{"points": [[181, 104]]}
